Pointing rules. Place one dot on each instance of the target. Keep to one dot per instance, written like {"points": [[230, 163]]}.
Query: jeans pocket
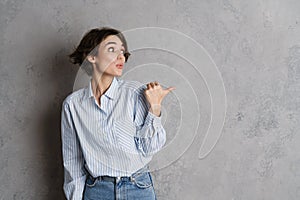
{"points": [[91, 182], [125, 131], [143, 180]]}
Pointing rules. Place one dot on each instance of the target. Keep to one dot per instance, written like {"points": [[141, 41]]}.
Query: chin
{"points": [[118, 75]]}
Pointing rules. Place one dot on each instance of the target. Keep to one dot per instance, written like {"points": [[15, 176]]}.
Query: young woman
{"points": [[111, 128]]}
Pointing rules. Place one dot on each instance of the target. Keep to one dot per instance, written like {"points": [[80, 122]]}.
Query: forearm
{"points": [[152, 136], [74, 189], [73, 161]]}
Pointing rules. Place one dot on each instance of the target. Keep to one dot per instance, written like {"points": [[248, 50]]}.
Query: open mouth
{"points": [[119, 66]]}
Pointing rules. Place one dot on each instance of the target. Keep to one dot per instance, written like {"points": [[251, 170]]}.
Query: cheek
{"points": [[107, 61], [110, 57]]}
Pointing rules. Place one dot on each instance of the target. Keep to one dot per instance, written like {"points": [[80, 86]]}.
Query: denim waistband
{"points": [[123, 178]]}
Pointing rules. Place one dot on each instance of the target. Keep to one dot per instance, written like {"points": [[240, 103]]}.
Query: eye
{"points": [[111, 49], [123, 51]]}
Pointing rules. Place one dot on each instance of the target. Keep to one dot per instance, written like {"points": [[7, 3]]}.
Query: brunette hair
{"points": [[89, 43]]}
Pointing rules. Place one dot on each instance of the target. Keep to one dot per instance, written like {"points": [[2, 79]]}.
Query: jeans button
{"points": [[118, 179], [131, 178]]}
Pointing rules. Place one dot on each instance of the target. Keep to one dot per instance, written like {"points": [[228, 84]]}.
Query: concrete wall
{"points": [[255, 46]]}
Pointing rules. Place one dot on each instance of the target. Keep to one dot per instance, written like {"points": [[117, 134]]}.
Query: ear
{"points": [[91, 59]]}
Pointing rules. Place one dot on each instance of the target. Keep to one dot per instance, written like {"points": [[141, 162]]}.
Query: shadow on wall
{"points": [[60, 80]]}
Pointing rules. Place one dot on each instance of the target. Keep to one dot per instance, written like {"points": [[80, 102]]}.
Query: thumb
{"points": [[166, 91]]}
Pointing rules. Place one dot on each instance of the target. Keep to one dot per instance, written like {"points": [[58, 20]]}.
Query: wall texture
{"points": [[255, 45]]}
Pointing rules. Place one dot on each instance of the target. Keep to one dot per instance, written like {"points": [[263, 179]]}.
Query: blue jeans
{"points": [[137, 187]]}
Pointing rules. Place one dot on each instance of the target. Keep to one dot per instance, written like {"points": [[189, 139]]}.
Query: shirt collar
{"points": [[111, 92]]}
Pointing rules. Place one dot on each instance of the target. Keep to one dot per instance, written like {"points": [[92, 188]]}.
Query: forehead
{"points": [[112, 39]]}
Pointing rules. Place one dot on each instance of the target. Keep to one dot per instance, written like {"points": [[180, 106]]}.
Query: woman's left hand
{"points": [[154, 95]]}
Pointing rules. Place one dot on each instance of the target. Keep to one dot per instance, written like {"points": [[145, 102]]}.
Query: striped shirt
{"points": [[116, 138]]}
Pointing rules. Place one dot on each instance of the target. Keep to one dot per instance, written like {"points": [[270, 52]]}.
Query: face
{"points": [[110, 58]]}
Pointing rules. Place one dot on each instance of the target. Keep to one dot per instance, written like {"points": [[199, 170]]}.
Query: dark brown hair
{"points": [[89, 43]]}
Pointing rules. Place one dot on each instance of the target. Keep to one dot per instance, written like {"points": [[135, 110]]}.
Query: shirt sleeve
{"points": [[73, 161], [150, 135]]}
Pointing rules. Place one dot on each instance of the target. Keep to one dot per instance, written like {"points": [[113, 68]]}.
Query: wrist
{"points": [[155, 109]]}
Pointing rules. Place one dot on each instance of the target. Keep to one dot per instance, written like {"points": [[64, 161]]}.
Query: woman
{"points": [[111, 128]]}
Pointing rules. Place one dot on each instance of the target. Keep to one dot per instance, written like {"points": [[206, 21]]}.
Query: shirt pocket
{"points": [[125, 131]]}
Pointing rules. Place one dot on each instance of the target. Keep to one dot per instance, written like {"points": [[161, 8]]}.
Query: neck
{"points": [[100, 84]]}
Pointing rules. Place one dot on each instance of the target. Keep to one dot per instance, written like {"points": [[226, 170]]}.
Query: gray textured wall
{"points": [[255, 45]]}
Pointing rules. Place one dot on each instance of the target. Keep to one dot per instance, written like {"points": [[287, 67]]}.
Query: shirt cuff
{"points": [[154, 120]]}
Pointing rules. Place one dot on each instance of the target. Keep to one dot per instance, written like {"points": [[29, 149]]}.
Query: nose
{"points": [[121, 56]]}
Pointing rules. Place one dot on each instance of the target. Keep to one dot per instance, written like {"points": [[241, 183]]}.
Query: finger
{"points": [[152, 84], [171, 88], [166, 91], [148, 86], [157, 84]]}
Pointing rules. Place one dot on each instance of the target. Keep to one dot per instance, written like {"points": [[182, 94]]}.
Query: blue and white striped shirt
{"points": [[116, 138]]}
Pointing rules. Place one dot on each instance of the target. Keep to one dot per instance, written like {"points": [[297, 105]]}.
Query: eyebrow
{"points": [[112, 43]]}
